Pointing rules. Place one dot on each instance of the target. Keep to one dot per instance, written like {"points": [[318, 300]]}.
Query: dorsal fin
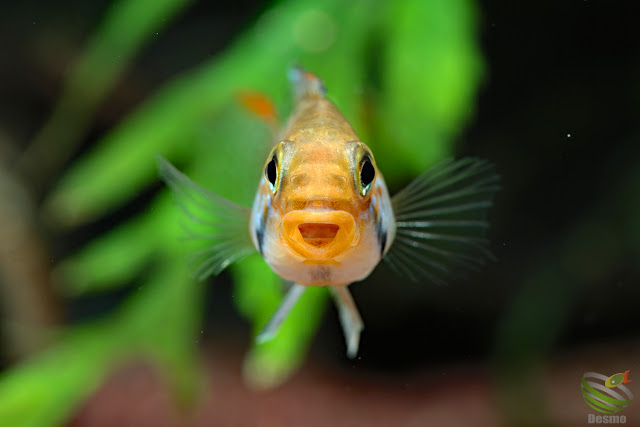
{"points": [[305, 83]]}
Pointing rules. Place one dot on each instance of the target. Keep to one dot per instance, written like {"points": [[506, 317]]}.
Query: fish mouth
{"points": [[319, 236]]}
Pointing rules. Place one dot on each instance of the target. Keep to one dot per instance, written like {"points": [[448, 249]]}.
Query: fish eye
{"points": [[367, 174], [271, 173]]}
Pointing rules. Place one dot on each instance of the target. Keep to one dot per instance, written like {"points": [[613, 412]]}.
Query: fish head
{"points": [[323, 210]]}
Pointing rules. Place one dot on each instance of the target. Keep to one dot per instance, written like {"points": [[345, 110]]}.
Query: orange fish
{"points": [[322, 215], [617, 379]]}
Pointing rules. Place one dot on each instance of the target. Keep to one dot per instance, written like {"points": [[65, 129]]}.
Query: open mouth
{"points": [[318, 235]]}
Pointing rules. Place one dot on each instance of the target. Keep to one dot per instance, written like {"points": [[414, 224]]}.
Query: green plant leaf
{"points": [[112, 259], [431, 73], [76, 367], [124, 161], [126, 27]]}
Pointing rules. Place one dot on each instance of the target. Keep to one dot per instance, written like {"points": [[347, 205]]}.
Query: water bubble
{"points": [[314, 30]]}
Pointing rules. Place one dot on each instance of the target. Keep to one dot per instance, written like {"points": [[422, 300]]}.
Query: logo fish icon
{"points": [[598, 392], [616, 379]]}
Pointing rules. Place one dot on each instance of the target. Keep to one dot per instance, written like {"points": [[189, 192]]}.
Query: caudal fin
{"points": [[305, 83]]}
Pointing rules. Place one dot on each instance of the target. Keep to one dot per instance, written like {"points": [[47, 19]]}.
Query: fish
{"points": [[617, 379], [323, 216]]}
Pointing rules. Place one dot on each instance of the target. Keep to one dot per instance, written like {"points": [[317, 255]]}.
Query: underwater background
{"points": [[100, 321]]}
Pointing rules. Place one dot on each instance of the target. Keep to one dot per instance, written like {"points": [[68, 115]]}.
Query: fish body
{"points": [[616, 379], [322, 214]]}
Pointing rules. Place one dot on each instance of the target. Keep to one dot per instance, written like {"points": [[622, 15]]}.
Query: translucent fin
{"points": [[271, 329], [440, 221], [217, 229], [305, 83], [350, 319]]}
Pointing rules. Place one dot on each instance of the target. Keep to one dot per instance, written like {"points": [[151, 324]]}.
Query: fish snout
{"points": [[319, 175], [319, 236], [319, 184]]}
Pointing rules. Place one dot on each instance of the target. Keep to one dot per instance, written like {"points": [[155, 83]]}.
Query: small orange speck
{"points": [[258, 104]]}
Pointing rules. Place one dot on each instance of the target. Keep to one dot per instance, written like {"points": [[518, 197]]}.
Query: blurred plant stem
{"points": [[125, 29], [30, 308], [157, 324]]}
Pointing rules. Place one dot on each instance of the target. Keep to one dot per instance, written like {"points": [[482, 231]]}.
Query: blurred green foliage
{"points": [[404, 73]]}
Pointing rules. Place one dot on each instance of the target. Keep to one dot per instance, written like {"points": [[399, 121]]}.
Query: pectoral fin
{"points": [[440, 220], [218, 228]]}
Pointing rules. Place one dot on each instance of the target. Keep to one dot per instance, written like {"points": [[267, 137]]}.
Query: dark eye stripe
{"points": [[381, 232], [260, 229]]}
